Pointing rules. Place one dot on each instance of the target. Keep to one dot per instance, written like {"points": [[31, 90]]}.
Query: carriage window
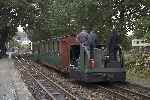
{"points": [[58, 46], [50, 44], [55, 45], [39, 47], [142, 41], [42, 46], [47, 48], [42, 43]]}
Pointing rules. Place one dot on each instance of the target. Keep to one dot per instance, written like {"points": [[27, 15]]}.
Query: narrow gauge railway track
{"points": [[101, 89], [118, 92], [53, 91], [115, 95]]}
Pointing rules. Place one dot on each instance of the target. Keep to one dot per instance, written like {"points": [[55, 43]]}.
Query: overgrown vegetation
{"points": [[143, 28], [138, 65]]}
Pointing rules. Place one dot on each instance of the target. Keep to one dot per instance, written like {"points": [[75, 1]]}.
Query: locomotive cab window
{"points": [[74, 54], [50, 42], [55, 46], [100, 46]]}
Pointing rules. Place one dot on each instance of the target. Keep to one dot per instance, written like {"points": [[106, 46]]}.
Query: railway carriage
{"points": [[66, 55]]}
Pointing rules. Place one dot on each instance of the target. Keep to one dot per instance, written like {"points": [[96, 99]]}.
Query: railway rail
{"points": [[130, 95], [103, 89], [115, 95], [136, 91], [137, 88], [52, 90], [114, 92]]}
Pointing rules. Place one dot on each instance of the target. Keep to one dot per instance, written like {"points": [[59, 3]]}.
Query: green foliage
{"points": [[30, 14], [143, 28], [137, 65], [126, 42], [69, 16], [43, 18]]}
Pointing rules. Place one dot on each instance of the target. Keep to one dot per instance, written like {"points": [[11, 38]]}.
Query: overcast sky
{"points": [[20, 29]]}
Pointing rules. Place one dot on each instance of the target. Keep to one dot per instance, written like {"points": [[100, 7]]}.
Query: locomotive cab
{"points": [[98, 69], [74, 55]]}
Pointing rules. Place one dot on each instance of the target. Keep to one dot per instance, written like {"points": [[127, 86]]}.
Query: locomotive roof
{"points": [[54, 38]]}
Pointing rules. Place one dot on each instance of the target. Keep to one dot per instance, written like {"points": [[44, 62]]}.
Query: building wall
{"points": [[140, 46], [140, 43], [22, 38]]}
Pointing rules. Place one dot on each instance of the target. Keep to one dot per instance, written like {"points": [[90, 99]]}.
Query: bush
{"points": [[138, 65]]}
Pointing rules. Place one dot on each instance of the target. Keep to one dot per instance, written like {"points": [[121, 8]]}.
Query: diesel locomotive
{"points": [[65, 54]]}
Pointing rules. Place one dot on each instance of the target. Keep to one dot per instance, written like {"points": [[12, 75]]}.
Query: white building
{"points": [[22, 38], [140, 43]]}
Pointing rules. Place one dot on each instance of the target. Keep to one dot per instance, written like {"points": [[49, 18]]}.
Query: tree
{"points": [[66, 17], [43, 18], [30, 14], [36, 22], [8, 23], [142, 28]]}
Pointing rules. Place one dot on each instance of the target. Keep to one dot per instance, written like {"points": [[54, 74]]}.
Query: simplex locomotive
{"points": [[66, 55]]}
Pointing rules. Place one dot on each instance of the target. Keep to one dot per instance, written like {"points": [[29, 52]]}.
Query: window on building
{"points": [[18, 38], [142, 41]]}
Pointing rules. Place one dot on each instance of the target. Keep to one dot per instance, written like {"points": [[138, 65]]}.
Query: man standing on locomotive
{"points": [[83, 38], [113, 45], [93, 41]]}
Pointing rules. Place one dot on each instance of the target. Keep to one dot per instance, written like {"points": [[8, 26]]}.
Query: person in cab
{"points": [[84, 39], [93, 40], [113, 45]]}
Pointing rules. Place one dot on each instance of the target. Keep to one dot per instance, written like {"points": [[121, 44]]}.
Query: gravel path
{"points": [[11, 86]]}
